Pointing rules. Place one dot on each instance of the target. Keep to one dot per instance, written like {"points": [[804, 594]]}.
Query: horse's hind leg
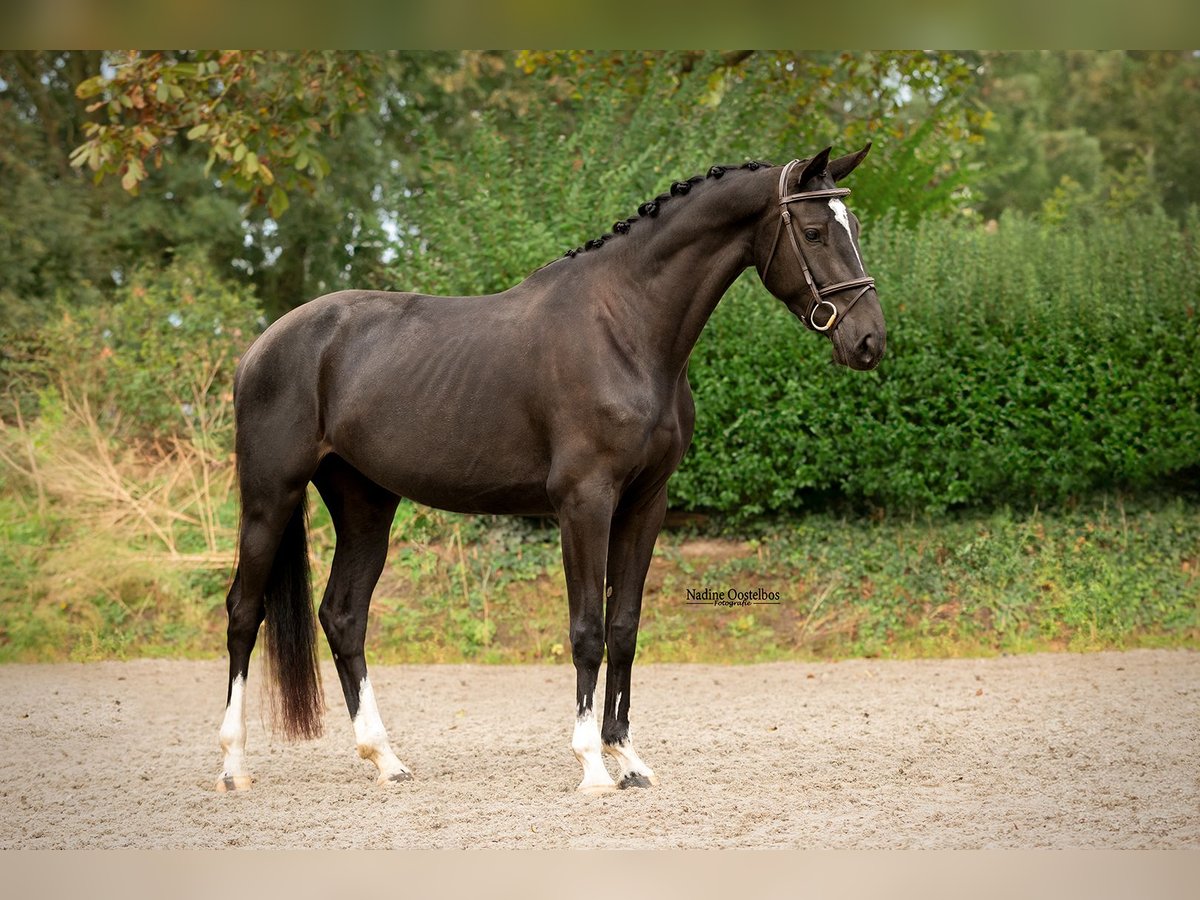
{"points": [[362, 513], [266, 515], [244, 621], [631, 543]]}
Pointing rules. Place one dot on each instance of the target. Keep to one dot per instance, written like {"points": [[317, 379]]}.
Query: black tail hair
{"points": [[291, 650]]}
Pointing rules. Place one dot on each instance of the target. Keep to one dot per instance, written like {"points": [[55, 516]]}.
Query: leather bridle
{"points": [[817, 294]]}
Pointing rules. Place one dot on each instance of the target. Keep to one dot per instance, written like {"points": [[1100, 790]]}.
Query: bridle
{"points": [[817, 294]]}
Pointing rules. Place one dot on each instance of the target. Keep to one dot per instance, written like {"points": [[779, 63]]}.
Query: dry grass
{"points": [[116, 530], [159, 496]]}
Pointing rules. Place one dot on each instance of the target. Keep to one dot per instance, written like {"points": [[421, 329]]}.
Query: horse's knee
{"points": [[622, 643], [587, 646]]}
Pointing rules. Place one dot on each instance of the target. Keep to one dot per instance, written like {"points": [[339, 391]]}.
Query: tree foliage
{"points": [[1097, 133], [218, 144], [261, 116], [619, 127], [65, 241]]}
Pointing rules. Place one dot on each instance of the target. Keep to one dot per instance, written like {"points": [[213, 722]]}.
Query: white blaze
{"points": [[843, 216]]}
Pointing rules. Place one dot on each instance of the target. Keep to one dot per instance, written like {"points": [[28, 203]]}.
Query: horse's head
{"points": [[807, 255]]}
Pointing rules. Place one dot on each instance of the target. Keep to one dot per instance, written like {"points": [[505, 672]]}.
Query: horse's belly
{"points": [[489, 479], [524, 499]]}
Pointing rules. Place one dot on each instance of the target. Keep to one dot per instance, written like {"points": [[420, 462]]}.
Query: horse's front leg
{"points": [[585, 512], [631, 544]]}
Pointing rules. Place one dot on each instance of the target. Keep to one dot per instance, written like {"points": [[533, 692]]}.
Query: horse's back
{"points": [[308, 328]]}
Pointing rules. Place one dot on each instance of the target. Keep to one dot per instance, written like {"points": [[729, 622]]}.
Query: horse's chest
{"points": [[640, 434]]}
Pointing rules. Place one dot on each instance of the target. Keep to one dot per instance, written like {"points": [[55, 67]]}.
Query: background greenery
{"points": [[1020, 472]]}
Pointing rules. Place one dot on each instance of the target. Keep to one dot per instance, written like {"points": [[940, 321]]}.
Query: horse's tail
{"points": [[291, 648]]}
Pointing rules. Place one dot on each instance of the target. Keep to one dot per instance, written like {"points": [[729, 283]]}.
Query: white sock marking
{"points": [[233, 730], [371, 736], [629, 761], [586, 744], [843, 216]]}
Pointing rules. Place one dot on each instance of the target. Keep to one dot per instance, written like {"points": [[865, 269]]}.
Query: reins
{"points": [[817, 293]]}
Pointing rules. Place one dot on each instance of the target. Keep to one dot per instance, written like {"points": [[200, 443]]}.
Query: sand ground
{"points": [[1056, 750]]}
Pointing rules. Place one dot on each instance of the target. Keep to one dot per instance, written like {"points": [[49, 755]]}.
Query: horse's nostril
{"points": [[867, 347]]}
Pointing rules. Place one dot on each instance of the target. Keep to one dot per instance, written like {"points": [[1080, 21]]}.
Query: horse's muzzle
{"points": [[863, 354]]}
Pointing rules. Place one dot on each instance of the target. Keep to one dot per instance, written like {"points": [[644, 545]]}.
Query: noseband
{"points": [[817, 294]]}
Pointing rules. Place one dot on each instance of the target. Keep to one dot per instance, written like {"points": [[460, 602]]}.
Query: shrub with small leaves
{"points": [[162, 354], [1023, 366]]}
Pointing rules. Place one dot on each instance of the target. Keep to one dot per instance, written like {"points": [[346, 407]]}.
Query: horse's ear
{"points": [[843, 166], [815, 167]]}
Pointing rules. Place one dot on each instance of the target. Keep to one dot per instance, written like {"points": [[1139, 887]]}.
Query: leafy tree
{"points": [[49, 242], [64, 240], [259, 115], [311, 142], [1099, 131], [772, 103]]}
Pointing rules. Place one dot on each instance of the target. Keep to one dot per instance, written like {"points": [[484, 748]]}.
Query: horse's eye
{"points": [[812, 234]]}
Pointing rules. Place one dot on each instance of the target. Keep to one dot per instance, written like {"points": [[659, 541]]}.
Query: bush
{"points": [[118, 496], [161, 358], [1024, 366]]}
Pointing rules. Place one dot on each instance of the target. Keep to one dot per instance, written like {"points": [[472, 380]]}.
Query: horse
{"points": [[566, 395]]}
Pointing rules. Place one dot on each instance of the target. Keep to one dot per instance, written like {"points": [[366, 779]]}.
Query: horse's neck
{"points": [[673, 271]]}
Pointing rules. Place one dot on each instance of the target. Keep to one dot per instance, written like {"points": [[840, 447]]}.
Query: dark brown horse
{"points": [[565, 395]]}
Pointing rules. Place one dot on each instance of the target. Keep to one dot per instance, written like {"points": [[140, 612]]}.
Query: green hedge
{"points": [[1025, 365]]}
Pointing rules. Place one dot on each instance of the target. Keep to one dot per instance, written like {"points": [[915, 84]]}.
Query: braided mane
{"points": [[650, 208]]}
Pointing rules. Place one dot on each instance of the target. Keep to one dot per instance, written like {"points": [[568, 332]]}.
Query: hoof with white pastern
{"points": [[393, 778], [229, 784], [634, 772], [596, 790]]}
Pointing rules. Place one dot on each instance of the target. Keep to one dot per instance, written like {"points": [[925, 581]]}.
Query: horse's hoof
{"points": [[596, 790], [228, 784], [395, 778], [637, 780]]}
